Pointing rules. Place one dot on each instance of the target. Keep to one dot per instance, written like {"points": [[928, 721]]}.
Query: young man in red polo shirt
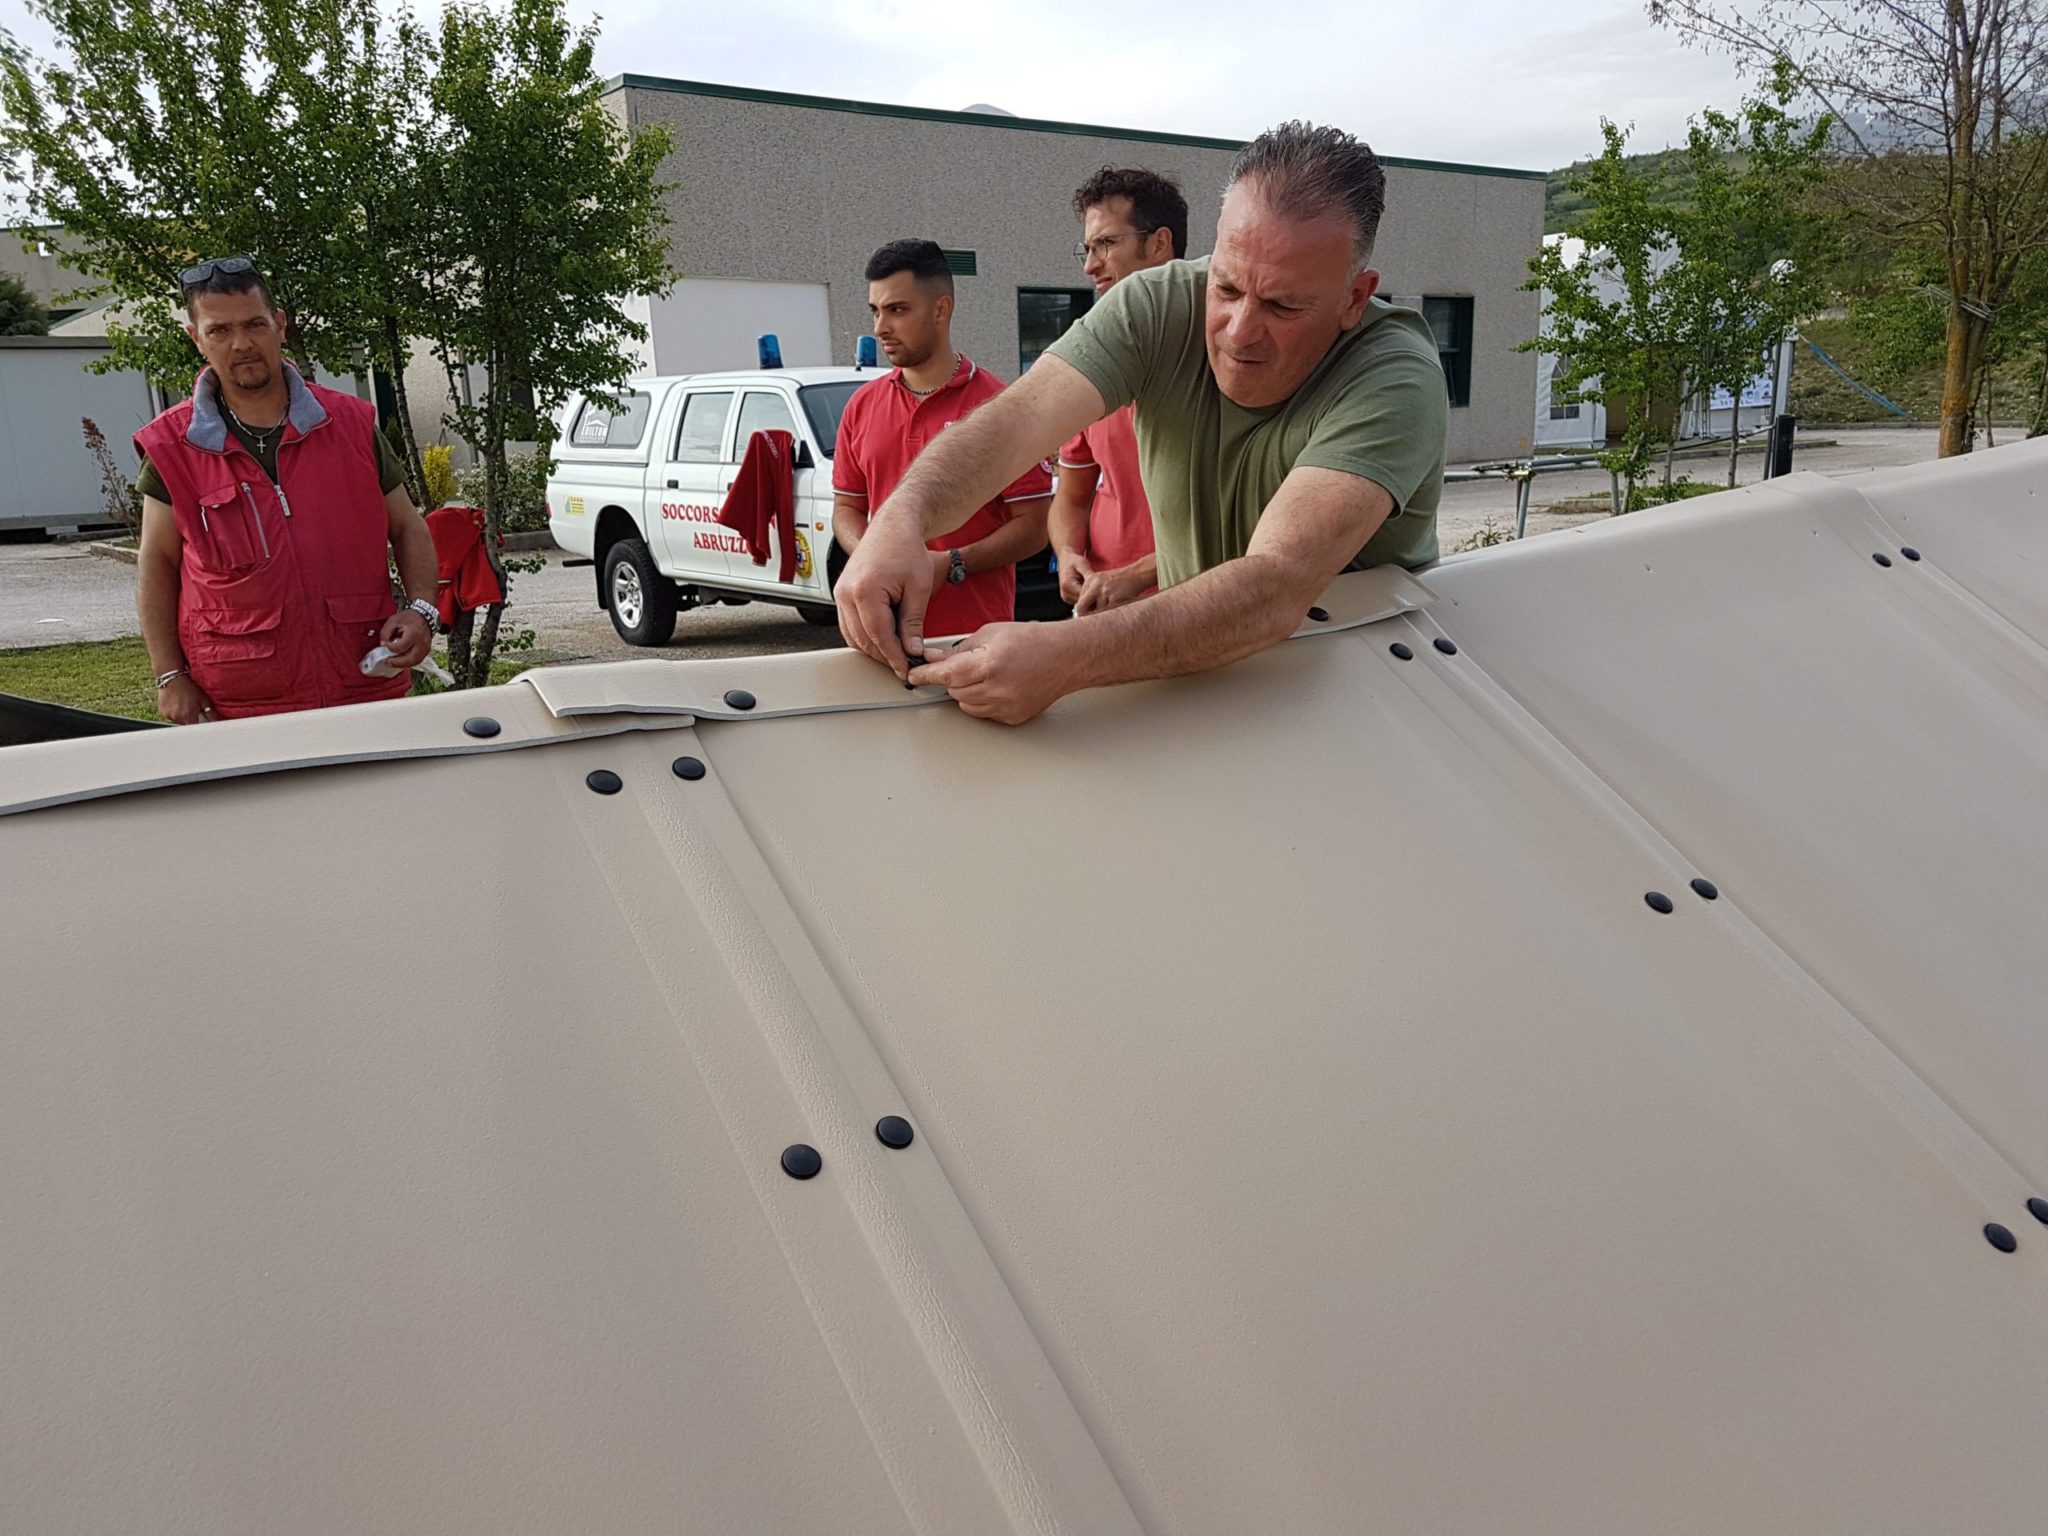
{"points": [[889, 421], [1101, 523]]}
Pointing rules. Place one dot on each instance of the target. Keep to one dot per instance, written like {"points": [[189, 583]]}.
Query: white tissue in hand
{"points": [[377, 662]]}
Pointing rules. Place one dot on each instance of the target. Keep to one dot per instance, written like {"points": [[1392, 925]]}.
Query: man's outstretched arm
{"points": [[1309, 532], [887, 584]]}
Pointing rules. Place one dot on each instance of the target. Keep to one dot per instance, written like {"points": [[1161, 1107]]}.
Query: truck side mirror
{"points": [[803, 456]]}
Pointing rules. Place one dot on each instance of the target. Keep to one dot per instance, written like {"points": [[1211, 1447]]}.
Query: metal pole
{"points": [[1525, 479]]}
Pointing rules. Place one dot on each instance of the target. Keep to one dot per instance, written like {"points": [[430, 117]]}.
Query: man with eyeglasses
{"points": [[1101, 523], [270, 510], [1290, 427]]}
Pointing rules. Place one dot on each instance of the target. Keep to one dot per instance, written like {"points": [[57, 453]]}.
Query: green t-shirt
{"points": [[1375, 406], [390, 472]]}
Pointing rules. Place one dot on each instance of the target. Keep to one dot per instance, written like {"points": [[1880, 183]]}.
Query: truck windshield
{"points": [[824, 404]]}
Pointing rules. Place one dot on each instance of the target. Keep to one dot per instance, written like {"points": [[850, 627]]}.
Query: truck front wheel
{"points": [[641, 601]]}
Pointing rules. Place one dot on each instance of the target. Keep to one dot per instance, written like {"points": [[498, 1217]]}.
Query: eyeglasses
{"points": [[220, 266], [1102, 245]]}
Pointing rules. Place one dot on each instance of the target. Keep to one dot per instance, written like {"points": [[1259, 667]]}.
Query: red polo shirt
{"points": [[1120, 520], [884, 429]]}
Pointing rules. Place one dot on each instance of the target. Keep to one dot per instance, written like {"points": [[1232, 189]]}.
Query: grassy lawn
{"points": [[112, 677]]}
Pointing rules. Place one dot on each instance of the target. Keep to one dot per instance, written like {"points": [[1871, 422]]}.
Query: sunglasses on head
{"points": [[220, 266]]}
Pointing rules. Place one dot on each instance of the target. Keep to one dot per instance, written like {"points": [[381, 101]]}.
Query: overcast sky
{"points": [[1487, 81]]}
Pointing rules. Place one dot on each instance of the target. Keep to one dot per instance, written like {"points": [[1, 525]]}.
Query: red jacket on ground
{"points": [[763, 496], [282, 587]]}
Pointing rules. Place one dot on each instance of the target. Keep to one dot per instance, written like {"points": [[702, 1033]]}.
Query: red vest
{"points": [[283, 587]]}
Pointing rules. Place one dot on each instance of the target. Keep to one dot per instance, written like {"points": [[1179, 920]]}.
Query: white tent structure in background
{"points": [[1555, 1048], [1563, 424]]}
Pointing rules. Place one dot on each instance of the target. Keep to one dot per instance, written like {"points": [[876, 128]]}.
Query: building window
{"points": [[960, 263], [1450, 319], [1561, 409], [1044, 315]]}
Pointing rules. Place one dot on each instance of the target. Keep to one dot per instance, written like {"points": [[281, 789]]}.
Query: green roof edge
{"points": [[993, 120]]}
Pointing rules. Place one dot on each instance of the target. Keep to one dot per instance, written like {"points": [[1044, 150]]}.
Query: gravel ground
{"points": [[57, 592]]}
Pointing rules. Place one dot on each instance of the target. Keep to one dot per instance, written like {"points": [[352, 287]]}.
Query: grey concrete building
{"points": [[779, 200]]}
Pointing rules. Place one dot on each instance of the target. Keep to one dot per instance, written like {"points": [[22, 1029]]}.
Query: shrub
{"points": [[526, 491]]}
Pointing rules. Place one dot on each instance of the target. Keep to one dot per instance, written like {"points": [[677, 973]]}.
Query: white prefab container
{"points": [[48, 479]]}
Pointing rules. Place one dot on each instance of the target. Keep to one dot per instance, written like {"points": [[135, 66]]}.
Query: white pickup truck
{"points": [[637, 491]]}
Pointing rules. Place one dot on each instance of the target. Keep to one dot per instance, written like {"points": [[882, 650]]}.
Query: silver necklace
{"points": [[263, 437]]}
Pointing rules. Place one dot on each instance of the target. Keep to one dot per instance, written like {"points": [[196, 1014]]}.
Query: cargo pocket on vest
{"points": [[356, 618], [232, 538], [233, 653]]}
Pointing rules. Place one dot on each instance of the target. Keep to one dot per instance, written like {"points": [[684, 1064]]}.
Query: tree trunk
{"points": [[2037, 418], [394, 362], [459, 648], [495, 386], [1967, 335], [1734, 437], [480, 662]]}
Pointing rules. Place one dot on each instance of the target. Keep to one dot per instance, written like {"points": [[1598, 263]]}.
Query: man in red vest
{"points": [[270, 507]]}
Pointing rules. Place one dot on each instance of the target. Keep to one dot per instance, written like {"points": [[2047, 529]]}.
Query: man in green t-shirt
{"points": [[1290, 426]]}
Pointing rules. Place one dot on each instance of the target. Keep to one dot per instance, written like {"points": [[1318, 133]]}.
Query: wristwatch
{"points": [[956, 567], [427, 611]]}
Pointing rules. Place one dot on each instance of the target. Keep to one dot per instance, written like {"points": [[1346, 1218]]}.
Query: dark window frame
{"points": [[1081, 300], [1454, 352]]}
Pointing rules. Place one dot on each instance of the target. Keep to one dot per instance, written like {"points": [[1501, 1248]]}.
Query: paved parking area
{"points": [[56, 592]]}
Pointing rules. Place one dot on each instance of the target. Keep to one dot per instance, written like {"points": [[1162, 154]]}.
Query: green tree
{"points": [[1614, 315], [21, 312], [547, 217], [173, 130], [1753, 251], [1943, 107]]}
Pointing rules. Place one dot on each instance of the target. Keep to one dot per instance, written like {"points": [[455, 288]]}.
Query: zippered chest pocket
{"points": [[236, 533]]}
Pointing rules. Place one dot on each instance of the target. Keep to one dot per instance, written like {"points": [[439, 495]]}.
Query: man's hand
{"points": [[1075, 569], [1113, 588], [182, 702], [942, 568], [1004, 672], [407, 636], [884, 591]]}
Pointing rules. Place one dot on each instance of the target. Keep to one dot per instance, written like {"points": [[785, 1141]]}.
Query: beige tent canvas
{"points": [[1558, 1047]]}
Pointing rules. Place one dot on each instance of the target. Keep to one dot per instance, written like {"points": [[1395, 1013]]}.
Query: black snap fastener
{"points": [[1909, 552], [2000, 1238], [687, 768], [604, 781], [894, 1131], [739, 698], [1446, 646], [801, 1162], [1320, 615], [1658, 901], [483, 727], [1401, 651], [2039, 1208], [1706, 890], [1882, 559]]}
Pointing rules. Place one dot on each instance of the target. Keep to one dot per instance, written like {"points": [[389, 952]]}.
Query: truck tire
{"points": [[641, 601]]}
